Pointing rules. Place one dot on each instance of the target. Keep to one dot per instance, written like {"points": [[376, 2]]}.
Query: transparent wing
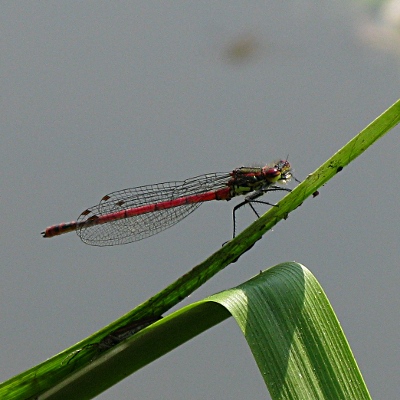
{"points": [[139, 227]]}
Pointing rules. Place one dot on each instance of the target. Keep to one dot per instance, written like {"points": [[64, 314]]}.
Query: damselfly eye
{"points": [[272, 172]]}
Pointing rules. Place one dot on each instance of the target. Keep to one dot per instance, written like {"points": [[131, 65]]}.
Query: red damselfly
{"points": [[134, 214]]}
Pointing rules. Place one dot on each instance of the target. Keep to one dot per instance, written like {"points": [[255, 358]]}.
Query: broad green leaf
{"points": [[287, 320], [295, 337]]}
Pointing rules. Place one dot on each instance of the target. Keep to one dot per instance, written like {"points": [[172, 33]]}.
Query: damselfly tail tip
{"points": [[45, 234]]}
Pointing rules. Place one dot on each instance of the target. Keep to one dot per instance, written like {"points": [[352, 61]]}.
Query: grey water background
{"points": [[101, 96]]}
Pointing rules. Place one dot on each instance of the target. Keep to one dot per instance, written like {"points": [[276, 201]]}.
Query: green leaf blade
{"points": [[287, 320], [294, 335]]}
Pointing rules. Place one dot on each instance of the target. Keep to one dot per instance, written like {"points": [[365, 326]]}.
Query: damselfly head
{"points": [[279, 172], [285, 170]]}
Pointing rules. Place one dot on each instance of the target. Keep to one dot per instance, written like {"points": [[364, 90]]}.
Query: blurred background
{"points": [[97, 97]]}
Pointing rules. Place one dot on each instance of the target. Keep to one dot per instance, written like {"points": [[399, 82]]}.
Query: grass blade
{"points": [[287, 320]]}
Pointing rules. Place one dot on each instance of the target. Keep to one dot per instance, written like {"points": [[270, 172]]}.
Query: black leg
{"points": [[252, 199]]}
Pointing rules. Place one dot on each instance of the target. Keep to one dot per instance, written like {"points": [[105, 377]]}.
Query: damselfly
{"points": [[134, 214]]}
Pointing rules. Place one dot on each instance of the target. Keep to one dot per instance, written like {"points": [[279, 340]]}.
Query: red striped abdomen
{"points": [[220, 194]]}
